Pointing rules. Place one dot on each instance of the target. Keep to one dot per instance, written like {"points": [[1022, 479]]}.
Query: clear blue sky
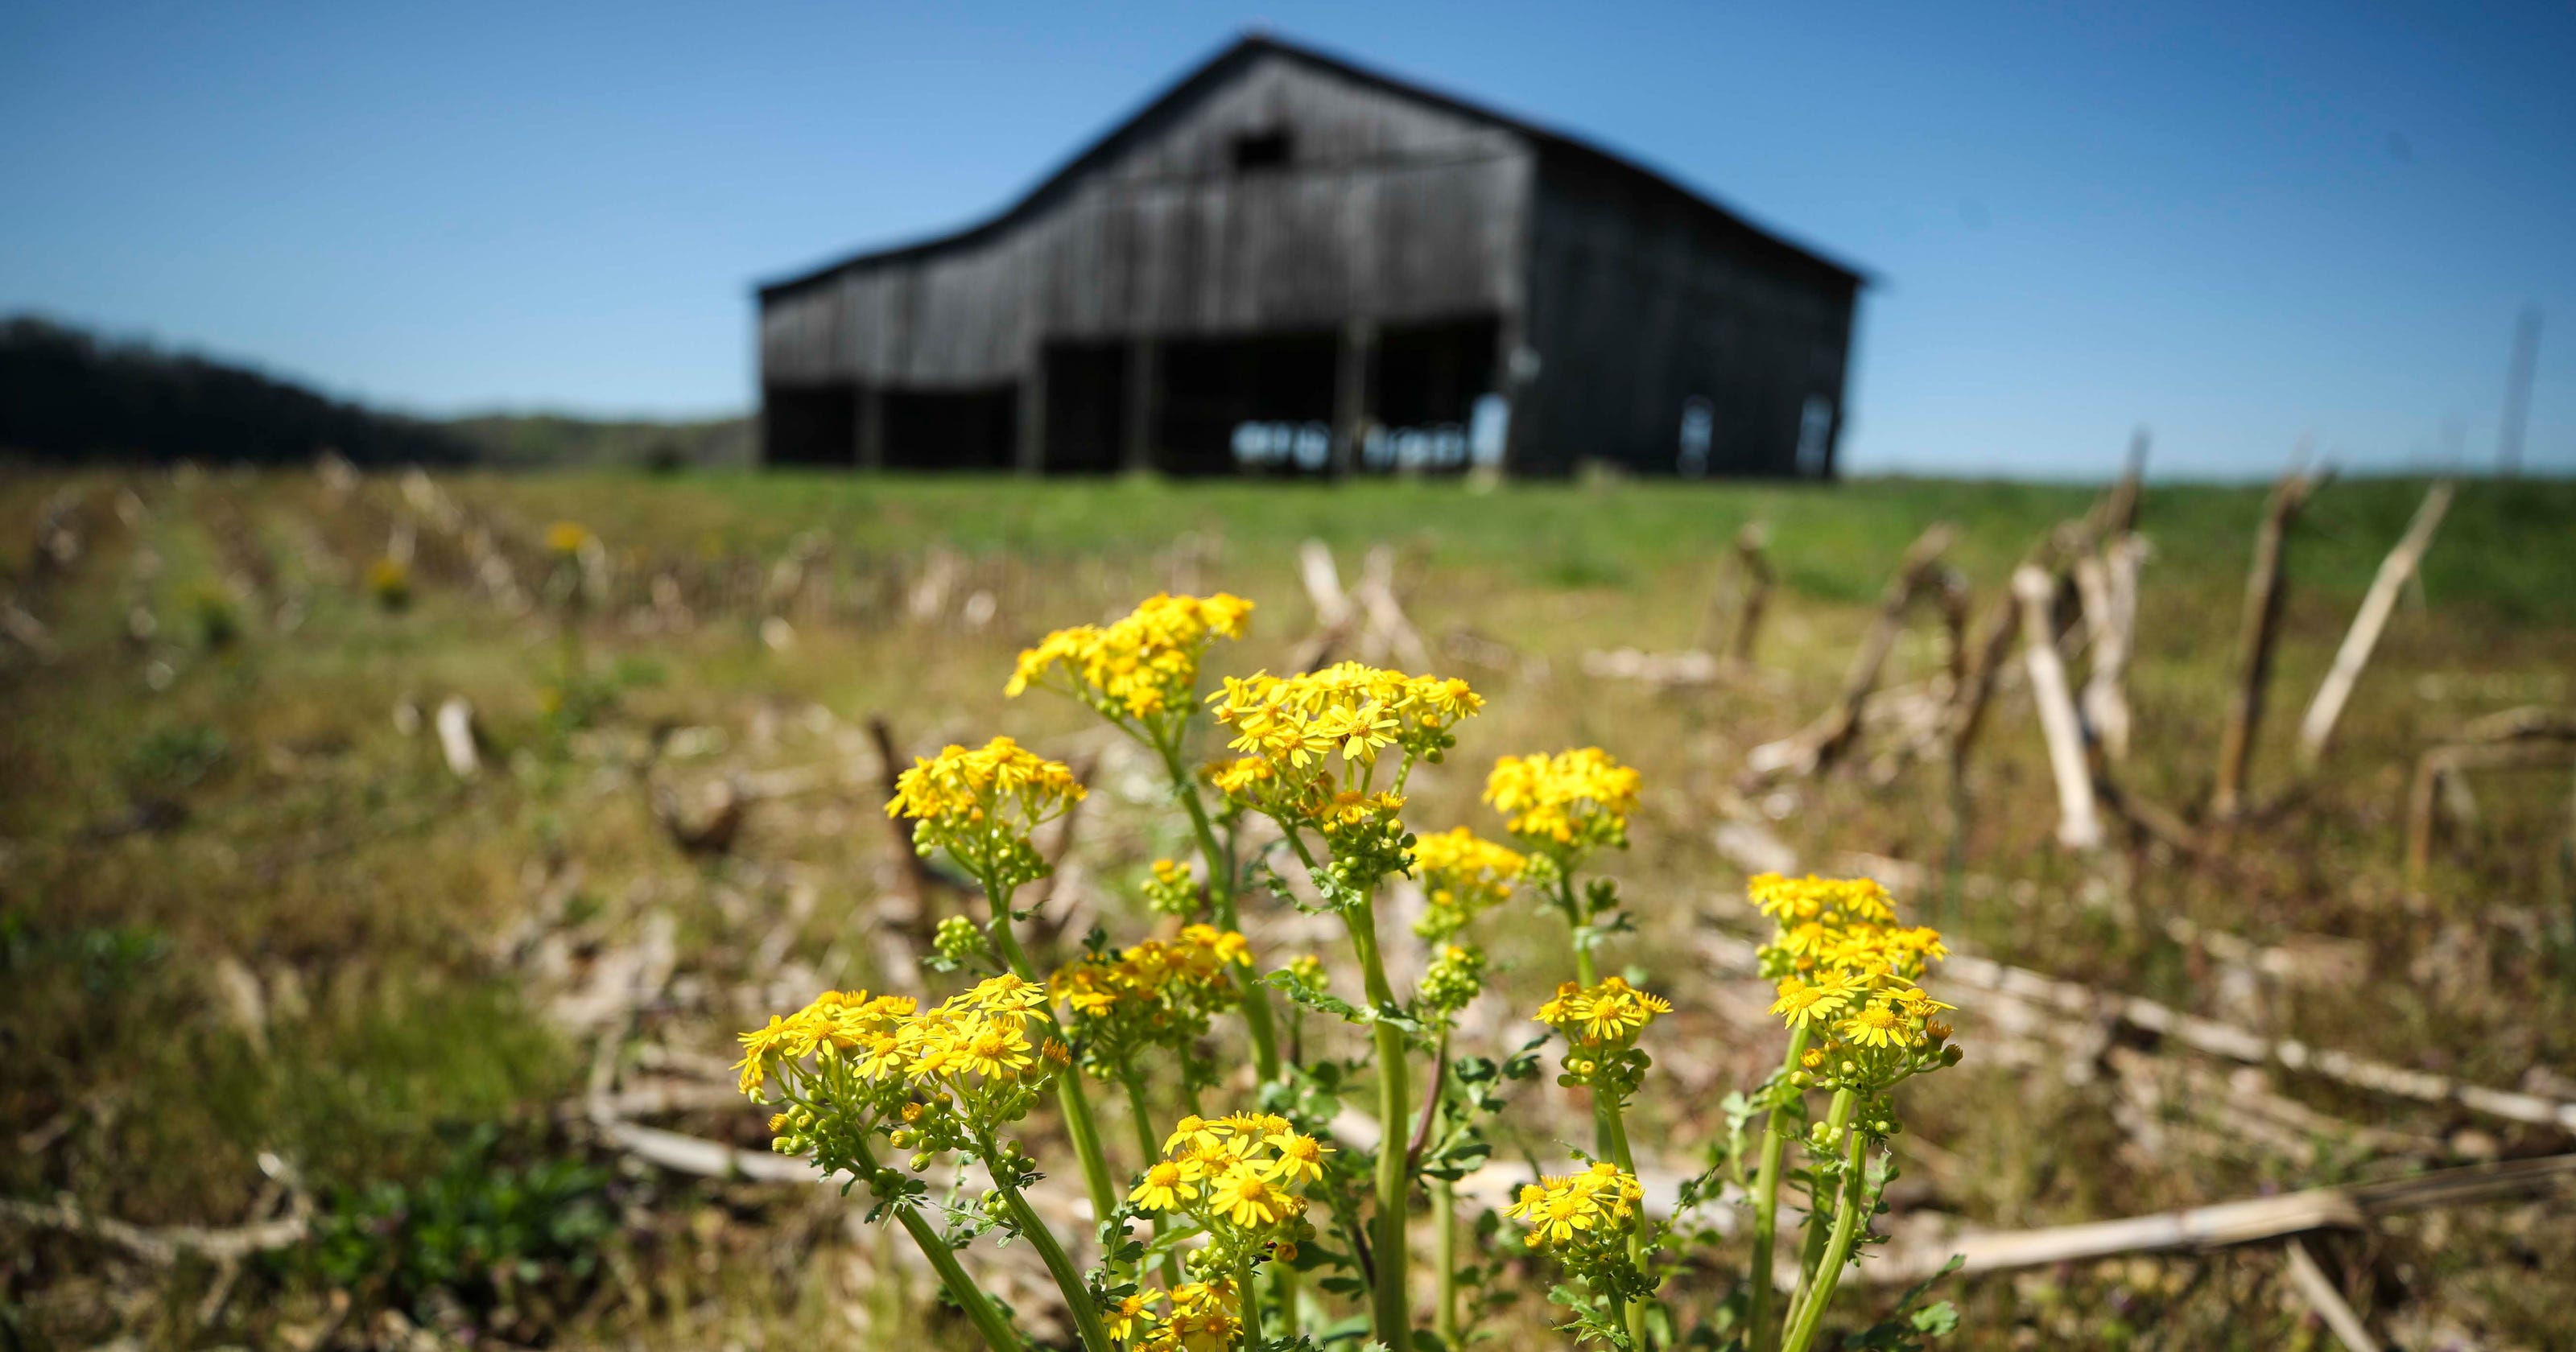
{"points": [[2238, 224]]}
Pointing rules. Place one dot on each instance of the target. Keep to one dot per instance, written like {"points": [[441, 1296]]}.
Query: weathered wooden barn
{"points": [[1287, 263]]}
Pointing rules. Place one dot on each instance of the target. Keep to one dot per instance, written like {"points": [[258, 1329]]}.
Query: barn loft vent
{"points": [[1256, 150]]}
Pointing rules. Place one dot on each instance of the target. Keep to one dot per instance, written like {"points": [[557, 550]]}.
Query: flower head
{"points": [[1309, 746], [1462, 876], [1570, 1214], [980, 805], [1604, 1016], [1848, 975], [1568, 804], [1242, 1174], [1143, 667]]}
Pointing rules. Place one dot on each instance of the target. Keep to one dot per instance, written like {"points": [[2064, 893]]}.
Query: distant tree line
{"points": [[67, 396]]}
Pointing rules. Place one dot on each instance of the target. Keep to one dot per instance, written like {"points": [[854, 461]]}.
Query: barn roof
{"points": [[1576, 152]]}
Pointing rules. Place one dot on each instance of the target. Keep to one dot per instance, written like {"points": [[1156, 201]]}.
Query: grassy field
{"points": [[264, 950]]}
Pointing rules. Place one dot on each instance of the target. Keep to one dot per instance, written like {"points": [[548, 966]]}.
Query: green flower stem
{"points": [[1847, 1224], [1766, 1208], [1250, 1304], [1444, 1252], [1616, 1129], [1147, 1149], [997, 1331], [1283, 1293], [1078, 1122], [1077, 1297], [1585, 972], [1812, 1249], [1220, 867], [1390, 1319], [1444, 1233]]}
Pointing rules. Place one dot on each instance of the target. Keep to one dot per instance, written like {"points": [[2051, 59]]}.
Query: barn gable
{"points": [[1280, 241]]}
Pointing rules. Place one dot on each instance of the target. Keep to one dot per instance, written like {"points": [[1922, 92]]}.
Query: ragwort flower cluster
{"points": [[941, 1079], [1142, 669], [1463, 876], [1190, 1317], [1567, 805], [981, 805], [1241, 1178], [1848, 977], [1582, 1218], [1244, 1206], [1600, 1024], [1150, 994]]}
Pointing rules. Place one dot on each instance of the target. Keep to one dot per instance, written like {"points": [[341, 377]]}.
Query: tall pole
{"points": [[2517, 392]]}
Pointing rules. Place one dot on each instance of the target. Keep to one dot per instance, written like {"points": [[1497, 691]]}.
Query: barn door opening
{"points": [[1248, 405], [1086, 407], [952, 429], [1426, 383], [809, 425]]}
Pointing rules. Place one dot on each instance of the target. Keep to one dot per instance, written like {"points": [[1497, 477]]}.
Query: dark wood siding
{"points": [[1387, 209], [1642, 300]]}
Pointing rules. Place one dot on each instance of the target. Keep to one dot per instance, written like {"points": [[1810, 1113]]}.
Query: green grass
{"points": [[1835, 542], [367, 892]]}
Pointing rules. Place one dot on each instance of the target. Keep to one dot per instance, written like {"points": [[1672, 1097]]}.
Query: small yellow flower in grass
{"points": [[1122, 1318], [1143, 666], [990, 1047], [1875, 1025], [961, 787], [1570, 803], [1462, 876], [883, 1057], [1566, 1212], [1192, 1130], [1608, 1015], [1248, 1196], [1837, 902], [1290, 730], [1804, 1002], [1205, 1318], [1617, 1011], [756, 1047], [1300, 1158], [1007, 991], [1166, 1186]]}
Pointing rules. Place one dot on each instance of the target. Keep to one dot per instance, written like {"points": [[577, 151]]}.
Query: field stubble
{"points": [[266, 949]]}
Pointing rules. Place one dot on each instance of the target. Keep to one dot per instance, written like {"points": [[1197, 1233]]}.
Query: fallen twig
{"points": [[160, 1245], [2226, 1224], [2319, 1291]]}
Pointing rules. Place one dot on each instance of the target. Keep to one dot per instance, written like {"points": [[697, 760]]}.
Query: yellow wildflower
{"points": [[1165, 1186], [1803, 1002], [1143, 666], [1248, 1196], [1572, 802]]}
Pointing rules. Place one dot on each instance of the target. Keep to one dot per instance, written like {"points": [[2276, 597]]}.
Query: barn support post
{"points": [[1512, 382], [869, 426], [1352, 402], [1031, 458], [1143, 404]]}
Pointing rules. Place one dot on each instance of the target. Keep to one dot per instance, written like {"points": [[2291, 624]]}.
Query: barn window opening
{"points": [[1699, 427], [1268, 149]]}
